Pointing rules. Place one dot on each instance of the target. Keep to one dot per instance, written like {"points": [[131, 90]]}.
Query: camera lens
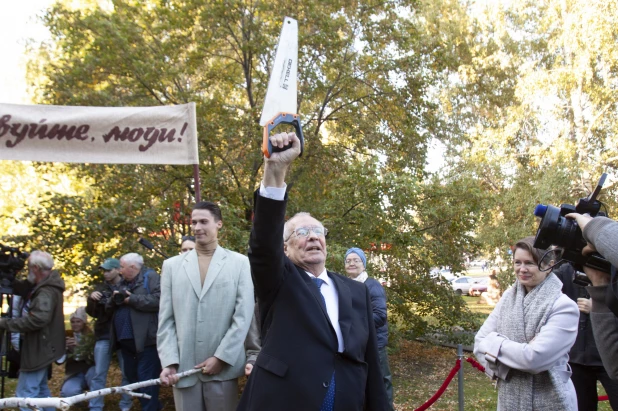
{"points": [[119, 298], [555, 229], [568, 233], [545, 236]]}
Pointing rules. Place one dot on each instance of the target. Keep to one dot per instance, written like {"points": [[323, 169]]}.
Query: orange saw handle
{"points": [[282, 118]]}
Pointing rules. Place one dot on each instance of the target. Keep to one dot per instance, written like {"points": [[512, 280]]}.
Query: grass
{"points": [[420, 368], [475, 307]]}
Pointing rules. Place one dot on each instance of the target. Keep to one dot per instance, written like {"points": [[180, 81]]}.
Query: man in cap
{"points": [[355, 268], [95, 307]]}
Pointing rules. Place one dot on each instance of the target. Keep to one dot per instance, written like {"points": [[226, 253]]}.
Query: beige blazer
{"points": [[197, 322]]}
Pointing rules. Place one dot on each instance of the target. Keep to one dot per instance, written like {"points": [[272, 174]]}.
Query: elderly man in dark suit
{"points": [[319, 341]]}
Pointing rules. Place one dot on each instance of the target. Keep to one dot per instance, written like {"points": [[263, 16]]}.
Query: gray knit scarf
{"points": [[521, 317]]}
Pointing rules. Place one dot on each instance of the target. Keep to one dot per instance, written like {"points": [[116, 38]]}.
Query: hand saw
{"points": [[280, 102]]}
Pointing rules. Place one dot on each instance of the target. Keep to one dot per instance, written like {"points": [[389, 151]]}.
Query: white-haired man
{"points": [[319, 348], [135, 323], [42, 325]]}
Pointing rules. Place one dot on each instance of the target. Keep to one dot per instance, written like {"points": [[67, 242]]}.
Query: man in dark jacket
{"points": [[135, 322], [355, 268], [95, 308], [320, 350], [584, 357], [43, 327]]}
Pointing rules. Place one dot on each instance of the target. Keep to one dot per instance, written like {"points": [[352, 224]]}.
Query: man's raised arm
{"points": [[266, 242]]}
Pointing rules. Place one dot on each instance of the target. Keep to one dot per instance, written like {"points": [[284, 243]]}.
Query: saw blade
{"points": [[281, 93]]}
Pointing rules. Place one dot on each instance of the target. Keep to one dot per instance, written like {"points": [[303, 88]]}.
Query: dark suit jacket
{"points": [[299, 344]]}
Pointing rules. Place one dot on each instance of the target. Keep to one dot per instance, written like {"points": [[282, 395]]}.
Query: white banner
{"points": [[128, 135]]}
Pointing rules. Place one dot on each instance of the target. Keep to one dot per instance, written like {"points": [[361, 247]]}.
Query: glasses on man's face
{"points": [[353, 261], [302, 232]]}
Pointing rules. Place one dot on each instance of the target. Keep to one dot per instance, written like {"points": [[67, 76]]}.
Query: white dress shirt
{"points": [[328, 290]]}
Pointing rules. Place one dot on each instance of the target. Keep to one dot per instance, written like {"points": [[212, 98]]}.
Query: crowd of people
{"points": [[307, 338]]}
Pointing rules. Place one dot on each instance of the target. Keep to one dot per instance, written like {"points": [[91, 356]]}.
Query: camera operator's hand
{"points": [[583, 220], [597, 277], [584, 305], [96, 296]]}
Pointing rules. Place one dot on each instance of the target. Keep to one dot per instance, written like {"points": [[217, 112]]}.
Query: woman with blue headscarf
{"points": [[355, 267]]}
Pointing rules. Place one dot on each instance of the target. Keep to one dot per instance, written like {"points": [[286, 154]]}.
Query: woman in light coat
{"points": [[525, 341]]}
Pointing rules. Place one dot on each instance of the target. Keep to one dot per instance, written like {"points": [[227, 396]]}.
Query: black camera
{"points": [[120, 296], [11, 262], [555, 229], [105, 296]]}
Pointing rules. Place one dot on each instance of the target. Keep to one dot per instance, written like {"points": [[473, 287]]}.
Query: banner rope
{"points": [[442, 388]]}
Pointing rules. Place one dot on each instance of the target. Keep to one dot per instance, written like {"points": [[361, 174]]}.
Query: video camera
{"points": [[12, 260], [555, 229]]}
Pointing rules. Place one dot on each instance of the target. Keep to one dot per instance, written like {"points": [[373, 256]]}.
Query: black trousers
{"points": [[585, 379]]}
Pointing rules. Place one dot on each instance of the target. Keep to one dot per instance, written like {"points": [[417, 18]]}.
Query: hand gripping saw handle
{"points": [[282, 118]]}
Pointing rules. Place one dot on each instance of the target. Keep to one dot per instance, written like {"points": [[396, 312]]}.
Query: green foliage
{"points": [[367, 121], [534, 99], [520, 93]]}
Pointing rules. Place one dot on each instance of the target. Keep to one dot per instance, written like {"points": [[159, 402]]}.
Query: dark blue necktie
{"points": [[318, 283], [329, 400]]}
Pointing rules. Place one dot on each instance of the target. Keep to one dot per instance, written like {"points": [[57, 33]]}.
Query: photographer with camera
{"points": [[601, 234], [95, 308], [42, 328], [135, 307], [584, 357]]}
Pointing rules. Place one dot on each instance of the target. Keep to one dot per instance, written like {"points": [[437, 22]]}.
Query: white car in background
{"points": [[444, 273], [462, 285]]}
